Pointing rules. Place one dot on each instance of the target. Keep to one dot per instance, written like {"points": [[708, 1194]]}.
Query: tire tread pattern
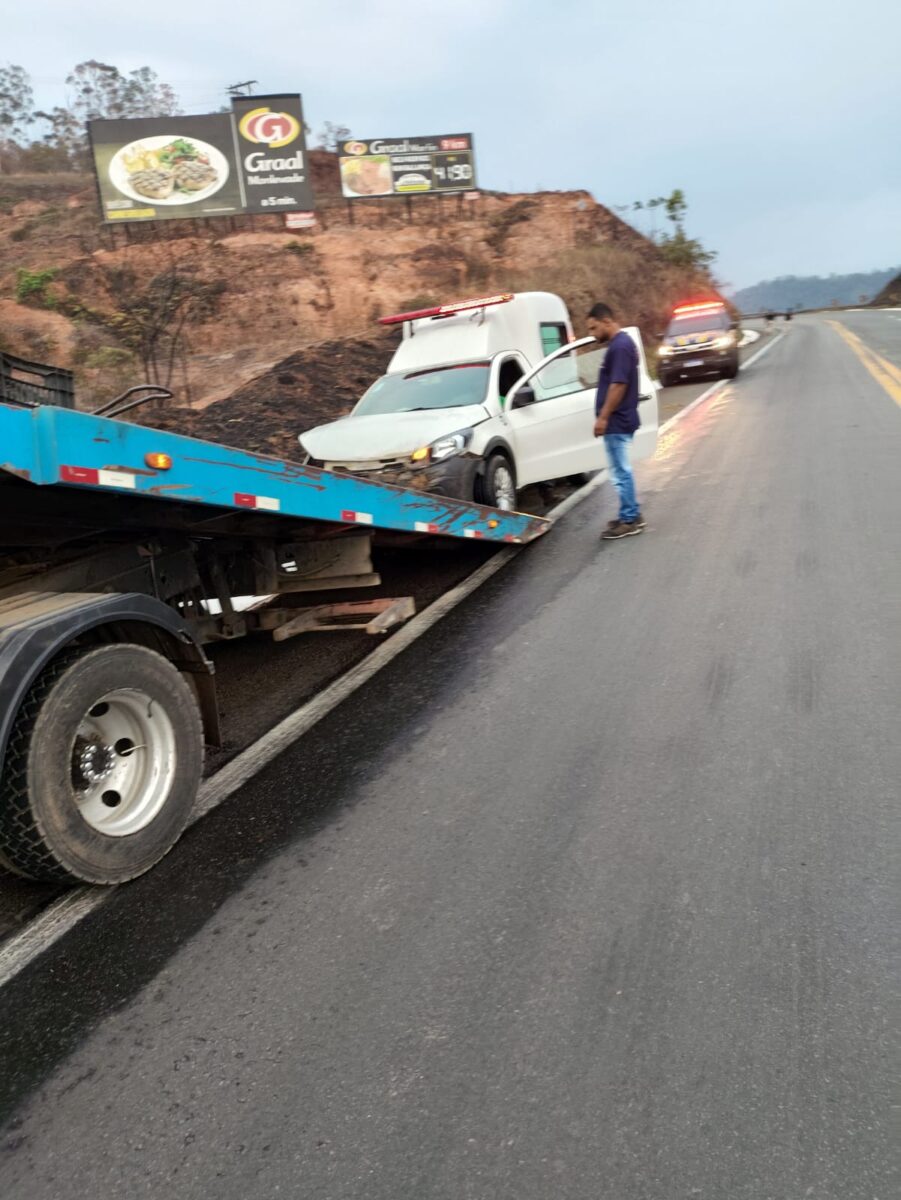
{"points": [[22, 846]]}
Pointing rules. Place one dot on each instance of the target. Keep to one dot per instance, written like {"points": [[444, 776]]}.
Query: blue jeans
{"points": [[617, 447]]}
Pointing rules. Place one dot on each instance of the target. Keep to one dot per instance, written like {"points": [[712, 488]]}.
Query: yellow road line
{"points": [[885, 373], [884, 363]]}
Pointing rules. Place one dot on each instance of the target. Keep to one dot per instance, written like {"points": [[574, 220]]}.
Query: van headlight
{"points": [[663, 351], [442, 448], [728, 339]]}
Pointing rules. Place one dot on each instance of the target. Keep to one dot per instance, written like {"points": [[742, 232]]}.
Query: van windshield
{"points": [[698, 323], [435, 387]]}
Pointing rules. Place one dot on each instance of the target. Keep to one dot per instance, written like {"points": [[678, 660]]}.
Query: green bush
{"points": [[109, 356], [31, 287], [301, 249]]}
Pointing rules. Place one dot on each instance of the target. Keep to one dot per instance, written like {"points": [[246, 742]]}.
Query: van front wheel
{"points": [[498, 484]]}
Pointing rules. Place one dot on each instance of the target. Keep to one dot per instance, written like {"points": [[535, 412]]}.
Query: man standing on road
{"points": [[616, 410]]}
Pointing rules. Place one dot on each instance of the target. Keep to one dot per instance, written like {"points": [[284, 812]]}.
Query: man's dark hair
{"points": [[601, 312]]}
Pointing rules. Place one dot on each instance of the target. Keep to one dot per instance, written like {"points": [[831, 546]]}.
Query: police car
{"points": [[701, 339]]}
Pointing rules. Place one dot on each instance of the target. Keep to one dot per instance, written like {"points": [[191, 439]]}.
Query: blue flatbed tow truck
{"points": [[123, 550]]}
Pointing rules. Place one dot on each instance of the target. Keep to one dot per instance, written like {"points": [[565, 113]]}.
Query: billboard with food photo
{"points": [[407, 166], [161, 168], [252, 159]]}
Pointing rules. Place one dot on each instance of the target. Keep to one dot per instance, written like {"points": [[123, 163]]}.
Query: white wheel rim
{"points": [[504, 491], [123, 762]]}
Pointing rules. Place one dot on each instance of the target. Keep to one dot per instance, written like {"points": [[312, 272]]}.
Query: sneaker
{"points": [[623, 529], [639, 520]]}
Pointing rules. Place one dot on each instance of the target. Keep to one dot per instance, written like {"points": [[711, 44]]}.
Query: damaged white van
{"points": [[481, 398]]}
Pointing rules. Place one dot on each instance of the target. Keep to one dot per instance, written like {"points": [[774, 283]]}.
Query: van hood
{"points": [[386, 435]]}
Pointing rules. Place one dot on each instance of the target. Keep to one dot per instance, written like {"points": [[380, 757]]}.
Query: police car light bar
{"points": [[446, 310], [704, 306]]}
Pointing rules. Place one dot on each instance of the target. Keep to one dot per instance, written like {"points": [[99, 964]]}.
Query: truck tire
{"points": [[498, 484], [102, 767], [731, 369], [664, 379]]}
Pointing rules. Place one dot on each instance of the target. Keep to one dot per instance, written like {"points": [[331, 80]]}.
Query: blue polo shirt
{"points": [[620, 365]]}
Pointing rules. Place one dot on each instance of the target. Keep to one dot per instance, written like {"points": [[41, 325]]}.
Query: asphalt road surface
{"points": [[589, 894]]}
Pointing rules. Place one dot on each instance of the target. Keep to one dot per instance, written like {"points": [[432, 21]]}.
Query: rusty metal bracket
{"points": [[373, 616]]}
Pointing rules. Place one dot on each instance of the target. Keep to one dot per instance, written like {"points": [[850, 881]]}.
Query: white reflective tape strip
{"points": [[425, 527], [268, 502], [363, 518], [474, 533], [119, 479]]}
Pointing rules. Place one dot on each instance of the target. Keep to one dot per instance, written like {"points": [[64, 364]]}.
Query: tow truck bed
{"points": [[122, 552], [74, 452]]}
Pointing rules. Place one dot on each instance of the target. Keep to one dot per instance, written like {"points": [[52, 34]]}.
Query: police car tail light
{"points": [[446, 310]]}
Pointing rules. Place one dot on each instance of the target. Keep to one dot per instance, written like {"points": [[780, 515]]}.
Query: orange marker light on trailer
{"points": [[158, 461]]}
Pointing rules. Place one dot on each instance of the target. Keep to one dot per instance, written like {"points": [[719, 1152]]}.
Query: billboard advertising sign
{"points": [[407, 166], [300, 220], [272, 152], [168, 168]]}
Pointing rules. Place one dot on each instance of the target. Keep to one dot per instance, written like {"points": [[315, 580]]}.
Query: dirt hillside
{"points": [[890, 294]]}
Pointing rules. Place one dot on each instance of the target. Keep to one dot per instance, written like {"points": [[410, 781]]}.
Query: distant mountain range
{"points": [[812, 291]]}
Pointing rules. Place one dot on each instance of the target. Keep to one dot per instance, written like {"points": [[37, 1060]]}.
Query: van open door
{"points": [[551, 413]]}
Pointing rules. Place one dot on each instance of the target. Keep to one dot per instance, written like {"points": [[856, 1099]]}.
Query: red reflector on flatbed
{"points": [[79, 475]]}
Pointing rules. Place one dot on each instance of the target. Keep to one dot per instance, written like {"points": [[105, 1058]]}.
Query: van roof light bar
{"points": [[446, 310]]}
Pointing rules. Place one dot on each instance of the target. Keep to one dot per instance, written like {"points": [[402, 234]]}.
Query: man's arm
{"points": [[612, 401]]}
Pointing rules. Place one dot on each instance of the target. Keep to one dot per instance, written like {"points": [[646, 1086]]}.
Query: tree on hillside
{"points": [[331, 136], [16, 102], [101, 90], [678, 247], [151, 316], [16, 110], [65, 140]]}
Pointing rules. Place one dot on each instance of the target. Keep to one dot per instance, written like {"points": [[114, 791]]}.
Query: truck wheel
{"points": [[664, 379], [498, 484], [102, 767]]}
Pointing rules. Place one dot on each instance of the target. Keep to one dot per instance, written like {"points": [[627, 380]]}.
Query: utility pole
{"points": [[241, 89]]}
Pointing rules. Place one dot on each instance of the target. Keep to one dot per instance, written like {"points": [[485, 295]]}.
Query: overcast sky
{"points": [[778, 118]]}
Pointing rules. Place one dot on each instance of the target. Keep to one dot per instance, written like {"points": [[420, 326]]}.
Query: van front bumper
{"points": [[453, 477]]}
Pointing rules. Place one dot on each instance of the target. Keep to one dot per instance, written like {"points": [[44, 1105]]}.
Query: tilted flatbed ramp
{"points": [[51, 446], [122, 552]]}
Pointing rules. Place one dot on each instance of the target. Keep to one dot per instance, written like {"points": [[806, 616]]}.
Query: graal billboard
{"points": [[407, 166], [253, 159]]}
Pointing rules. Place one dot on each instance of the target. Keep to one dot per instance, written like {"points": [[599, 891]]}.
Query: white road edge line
{"points": [[62, 915]]}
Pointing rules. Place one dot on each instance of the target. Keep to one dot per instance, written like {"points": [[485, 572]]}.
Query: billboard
{"points": [[252, 159], [272, 153], [407, 166]]}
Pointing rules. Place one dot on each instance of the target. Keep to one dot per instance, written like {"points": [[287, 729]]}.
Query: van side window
{"points": [[553, 336], [576, 370]]}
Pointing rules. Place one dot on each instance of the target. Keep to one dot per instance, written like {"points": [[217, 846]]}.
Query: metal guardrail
{"points": [[30, 383]]}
